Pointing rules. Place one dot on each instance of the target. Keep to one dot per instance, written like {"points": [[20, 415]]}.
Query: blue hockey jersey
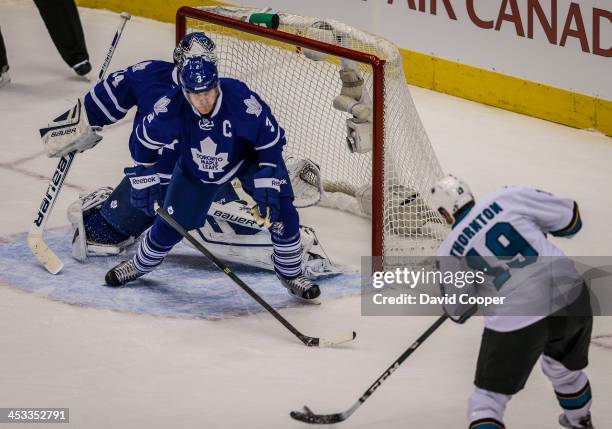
{"points": [[240, 130], [140, 86]]}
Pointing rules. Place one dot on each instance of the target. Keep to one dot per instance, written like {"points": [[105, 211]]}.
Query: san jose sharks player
{"points": [[546, 312], [106, 221], [222, 130]]}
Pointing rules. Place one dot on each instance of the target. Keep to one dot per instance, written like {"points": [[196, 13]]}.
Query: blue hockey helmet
{"points": [[194, 45], [198, 75]]}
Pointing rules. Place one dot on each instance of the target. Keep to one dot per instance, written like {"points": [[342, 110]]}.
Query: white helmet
{"points": [[451, 194]]}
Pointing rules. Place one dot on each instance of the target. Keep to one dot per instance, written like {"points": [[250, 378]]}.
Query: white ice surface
{"points": [[118, 370]]}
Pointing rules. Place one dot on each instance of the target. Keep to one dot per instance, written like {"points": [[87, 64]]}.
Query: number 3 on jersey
{"points": [[507, 244], [270, 124]]}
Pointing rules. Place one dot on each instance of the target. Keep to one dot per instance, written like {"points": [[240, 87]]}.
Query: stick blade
{"points": [[337, 340], [307, 416], [44, 254]]}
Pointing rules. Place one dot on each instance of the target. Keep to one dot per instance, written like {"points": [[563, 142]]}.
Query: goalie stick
{"points": [[307, 416], [308, 341], [35, 240]]}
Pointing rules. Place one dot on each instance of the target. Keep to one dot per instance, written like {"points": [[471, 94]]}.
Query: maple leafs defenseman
{"points": [[222, 130], [106, 221], [547, 312]]}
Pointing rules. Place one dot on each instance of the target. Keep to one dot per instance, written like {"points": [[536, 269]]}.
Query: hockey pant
{"points": [[572, 388], [120, 220], [506, 359]]}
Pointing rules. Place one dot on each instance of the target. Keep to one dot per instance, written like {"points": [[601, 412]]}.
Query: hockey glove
{"points": [[146, 188], [69, 132], [266, 190]]}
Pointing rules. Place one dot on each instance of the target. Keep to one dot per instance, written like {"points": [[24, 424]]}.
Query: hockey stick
{"points": [[35, 240], [308, 341], [307, 416]]}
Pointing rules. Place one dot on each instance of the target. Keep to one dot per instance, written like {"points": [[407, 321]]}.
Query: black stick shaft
{"points": [[403, 357], [223, 267], [310, 417]]}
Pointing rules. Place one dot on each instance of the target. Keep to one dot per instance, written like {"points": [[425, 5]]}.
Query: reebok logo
{"points": [[144, 181]]}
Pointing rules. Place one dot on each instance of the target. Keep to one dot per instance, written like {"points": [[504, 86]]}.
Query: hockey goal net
{"points": [[296, 69]]}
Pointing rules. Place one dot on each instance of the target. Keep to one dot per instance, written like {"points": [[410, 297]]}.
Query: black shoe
{"points": [[301, 287], [4, 75], [123, 273], [82, 68]]}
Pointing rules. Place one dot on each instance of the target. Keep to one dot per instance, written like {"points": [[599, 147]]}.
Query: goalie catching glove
{"points": [[266, 192], [69, 132]]}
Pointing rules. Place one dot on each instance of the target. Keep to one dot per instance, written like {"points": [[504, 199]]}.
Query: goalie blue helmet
{"points": [[194, 45], [199, 75]]}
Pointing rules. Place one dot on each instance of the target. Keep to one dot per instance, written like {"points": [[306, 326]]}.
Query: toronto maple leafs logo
{"points": [[206, 124], [207, 158], [161, 105], [141, 66], [253, 106]]}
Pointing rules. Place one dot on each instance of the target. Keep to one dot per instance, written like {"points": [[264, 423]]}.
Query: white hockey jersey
{"points": [[504, 236]]}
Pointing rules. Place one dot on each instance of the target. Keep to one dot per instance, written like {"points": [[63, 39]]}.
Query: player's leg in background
{"points": [[286, 237], [565, 357], [62, 20], [505, 362], [4, 67]]}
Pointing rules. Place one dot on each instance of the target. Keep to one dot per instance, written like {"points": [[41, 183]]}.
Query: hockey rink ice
{"points": [[118, 362]]}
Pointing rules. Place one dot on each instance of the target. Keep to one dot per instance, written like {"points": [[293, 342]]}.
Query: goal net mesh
{"points": [[300, 86]]}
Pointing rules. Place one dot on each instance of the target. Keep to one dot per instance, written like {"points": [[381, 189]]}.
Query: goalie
{"points": [[107, 221]]}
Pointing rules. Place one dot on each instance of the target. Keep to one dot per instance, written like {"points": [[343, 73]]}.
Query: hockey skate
{"points": [[123, 273], [302, 288], [585, 422]]}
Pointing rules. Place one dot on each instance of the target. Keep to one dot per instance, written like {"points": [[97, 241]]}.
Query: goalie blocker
{"points": [[105, 223]]}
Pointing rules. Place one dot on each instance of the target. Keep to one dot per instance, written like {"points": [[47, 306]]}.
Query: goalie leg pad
{"points": [[121, 215], [315, 262], [93, 236], [230, 232]]}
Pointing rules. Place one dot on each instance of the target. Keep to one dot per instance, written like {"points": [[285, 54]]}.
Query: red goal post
{"points": [[211, 22]]}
